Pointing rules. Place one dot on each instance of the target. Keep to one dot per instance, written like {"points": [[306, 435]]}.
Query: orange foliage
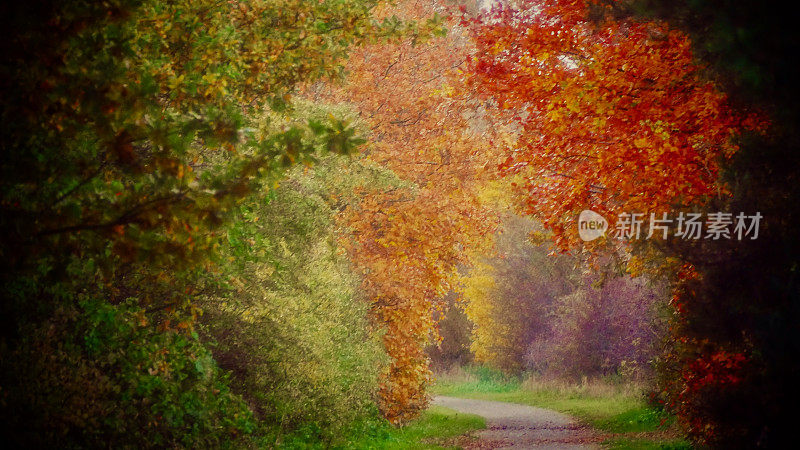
{"points": [[408, 242]]}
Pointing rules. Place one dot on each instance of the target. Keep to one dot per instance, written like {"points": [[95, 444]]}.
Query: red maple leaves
{"points": [[611, 116]]}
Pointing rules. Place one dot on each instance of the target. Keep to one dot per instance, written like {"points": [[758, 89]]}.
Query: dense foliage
{"points": [[134, 135], [194, 255], [409, 242], [287, 319], [613, 116]]}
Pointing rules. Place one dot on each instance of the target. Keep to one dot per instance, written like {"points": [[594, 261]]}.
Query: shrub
{"points": [[101, 375], [287, 320]]}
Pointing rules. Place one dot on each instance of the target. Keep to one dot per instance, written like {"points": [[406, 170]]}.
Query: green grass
{"points": [[436, 428], [433, 427], [614, 408], [608, 410]]}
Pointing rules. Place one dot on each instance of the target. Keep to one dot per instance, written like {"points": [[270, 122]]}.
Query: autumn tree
{"points": [[409, 241], [612, 116], [621, 118], [608, 325]]}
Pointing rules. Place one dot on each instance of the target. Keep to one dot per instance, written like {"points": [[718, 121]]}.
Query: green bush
{"points": [[100, 375]]}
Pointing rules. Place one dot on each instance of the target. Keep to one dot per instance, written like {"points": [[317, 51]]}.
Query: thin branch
{"points": [[126, 217], [83, 182]]}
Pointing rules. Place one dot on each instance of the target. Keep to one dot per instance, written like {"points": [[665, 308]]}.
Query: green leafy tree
{"points": [[128, 139]]}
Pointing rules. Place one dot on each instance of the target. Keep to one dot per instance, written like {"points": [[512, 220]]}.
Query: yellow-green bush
{"points": [[288, 323]]}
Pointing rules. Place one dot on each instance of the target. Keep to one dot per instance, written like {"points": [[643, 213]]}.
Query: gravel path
{"points": [[516, 426]]}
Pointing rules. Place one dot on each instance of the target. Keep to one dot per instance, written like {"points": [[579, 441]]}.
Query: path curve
{"points": [[510, 425]]}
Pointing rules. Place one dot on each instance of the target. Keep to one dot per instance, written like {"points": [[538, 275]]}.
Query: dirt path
{"points": [[518, 426]]}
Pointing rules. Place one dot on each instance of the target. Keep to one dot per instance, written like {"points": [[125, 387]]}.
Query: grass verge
{"points": [[432, 430], [436, 428]]}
